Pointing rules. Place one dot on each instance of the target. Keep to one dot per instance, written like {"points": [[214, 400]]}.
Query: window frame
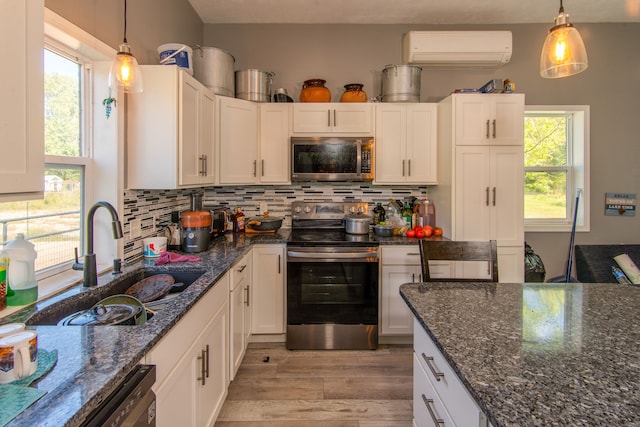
{"points": [[84, 159], [103, 137], [578, 177]]}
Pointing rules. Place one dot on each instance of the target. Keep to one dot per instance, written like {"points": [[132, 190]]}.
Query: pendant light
{"points": [[125, 71], [563, 53]]}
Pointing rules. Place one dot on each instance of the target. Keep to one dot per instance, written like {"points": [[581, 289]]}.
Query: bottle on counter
{"points": [[4, 263], [428, 212], [22, 287], [238, 221], [378, 214], [407, 214], [620, 276]]}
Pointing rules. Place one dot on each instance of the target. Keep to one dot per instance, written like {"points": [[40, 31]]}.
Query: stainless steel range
{"points": [[332, 280]]}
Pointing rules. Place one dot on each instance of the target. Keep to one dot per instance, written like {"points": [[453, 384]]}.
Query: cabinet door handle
{"points": [[203, 165], [403, 168], [413, 278], [429, 361], [247, 294], [494, 196], [279, 259], [255, 167], [241, 269], [206, 366], [262, 167], [486, 201], [335, 119], [429, 403], [329, 118], [201, 378], [487, 129], [409, 168], [494, 128]]}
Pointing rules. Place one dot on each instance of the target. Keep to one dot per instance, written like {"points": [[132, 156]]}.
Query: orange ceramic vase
{"points": [[314, 91], [353, 93]]}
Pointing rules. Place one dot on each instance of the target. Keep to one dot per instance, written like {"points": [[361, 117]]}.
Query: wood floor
{"points": [[336, 388]]}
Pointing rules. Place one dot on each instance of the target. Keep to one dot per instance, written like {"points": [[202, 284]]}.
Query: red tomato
{"points": [[411, 233], [437, 231], [427, 231], [420, 233], [417, 228]]}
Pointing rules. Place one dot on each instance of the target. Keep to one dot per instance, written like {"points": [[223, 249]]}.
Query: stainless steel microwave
{"points": [[331, 159]]}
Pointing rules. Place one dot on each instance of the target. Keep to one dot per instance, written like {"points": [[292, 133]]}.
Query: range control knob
{"points": [[297, 209], [307, 209]]}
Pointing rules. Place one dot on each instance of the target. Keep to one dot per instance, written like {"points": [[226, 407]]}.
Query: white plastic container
{"points": [[22, 287], [176, 54], [153, 247]]}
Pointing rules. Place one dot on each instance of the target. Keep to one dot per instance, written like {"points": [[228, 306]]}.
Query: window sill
{"points": [[555, 228]]}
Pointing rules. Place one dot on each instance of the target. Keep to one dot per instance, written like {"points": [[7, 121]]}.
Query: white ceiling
{"points": [[412, 11]]}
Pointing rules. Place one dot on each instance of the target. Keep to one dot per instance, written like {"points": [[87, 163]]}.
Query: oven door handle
{"points": [[331, 255]]}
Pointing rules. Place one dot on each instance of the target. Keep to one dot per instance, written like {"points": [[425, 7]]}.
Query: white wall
{"points": [[344, 54]]}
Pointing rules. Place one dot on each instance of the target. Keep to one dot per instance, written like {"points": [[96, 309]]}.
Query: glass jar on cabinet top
{"points": [[353, 93], [314, 90]]}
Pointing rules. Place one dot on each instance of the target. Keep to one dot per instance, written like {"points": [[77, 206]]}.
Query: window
{"points": [[77, 132], [54, 223], [556, 167]]}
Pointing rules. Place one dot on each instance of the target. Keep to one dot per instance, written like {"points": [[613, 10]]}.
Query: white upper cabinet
{"points": [[406, 143], [489, 119], [275, 146], [237, 141], [22, 111], [170, 135], [323, 118]]}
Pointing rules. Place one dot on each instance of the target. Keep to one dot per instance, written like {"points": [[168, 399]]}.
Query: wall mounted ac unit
{"points": [[457, 48]]}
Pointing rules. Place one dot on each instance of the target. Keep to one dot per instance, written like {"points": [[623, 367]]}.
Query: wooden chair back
{"points": [[447, 250]]}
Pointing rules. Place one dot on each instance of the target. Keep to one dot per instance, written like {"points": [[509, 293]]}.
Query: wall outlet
{"points": [[135, 228]]}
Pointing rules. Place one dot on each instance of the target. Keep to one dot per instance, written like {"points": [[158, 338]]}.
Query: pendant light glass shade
{"points": [[125, 71], [563, 53]]}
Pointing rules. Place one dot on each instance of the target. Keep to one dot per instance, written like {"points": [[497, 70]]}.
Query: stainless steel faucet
{"points": [[89, 264]]}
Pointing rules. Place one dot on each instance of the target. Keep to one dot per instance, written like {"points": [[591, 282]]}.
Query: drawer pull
{"points": [[241, 269], [429, 403], [429, 361], [413, 253]]}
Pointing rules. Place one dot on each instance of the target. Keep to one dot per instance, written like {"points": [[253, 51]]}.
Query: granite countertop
{"points": [[539, 354], [93, 361]]}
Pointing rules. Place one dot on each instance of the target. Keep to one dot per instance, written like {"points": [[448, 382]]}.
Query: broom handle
{"points": [[573, 235]]}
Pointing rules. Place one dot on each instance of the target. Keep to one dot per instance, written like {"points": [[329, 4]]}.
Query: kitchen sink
{"points": [[85, 298]]}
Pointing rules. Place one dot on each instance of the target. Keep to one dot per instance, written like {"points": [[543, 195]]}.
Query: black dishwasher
{"points": [[132, 404]]}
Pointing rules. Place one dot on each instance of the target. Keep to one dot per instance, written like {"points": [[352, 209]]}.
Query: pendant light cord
{"points": [[560, 11], [125, 20]]}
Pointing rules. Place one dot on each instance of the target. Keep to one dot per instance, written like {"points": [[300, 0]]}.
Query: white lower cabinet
{"points": [[239, 313], [401, 264], [267, 290], [439, 397], [192, 363]]}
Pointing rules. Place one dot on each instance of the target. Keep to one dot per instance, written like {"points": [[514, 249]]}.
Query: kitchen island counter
{"points": [[93, 361], [538, 354]]}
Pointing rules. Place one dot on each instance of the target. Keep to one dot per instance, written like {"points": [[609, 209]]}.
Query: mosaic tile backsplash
{"points": [[155, 206]]}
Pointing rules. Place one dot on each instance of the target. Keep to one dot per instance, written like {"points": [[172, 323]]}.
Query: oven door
{"points": [[332, 285]]}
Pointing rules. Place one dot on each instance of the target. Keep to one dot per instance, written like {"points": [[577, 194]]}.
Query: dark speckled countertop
{"points": [[539, 354], [93, 361]]}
